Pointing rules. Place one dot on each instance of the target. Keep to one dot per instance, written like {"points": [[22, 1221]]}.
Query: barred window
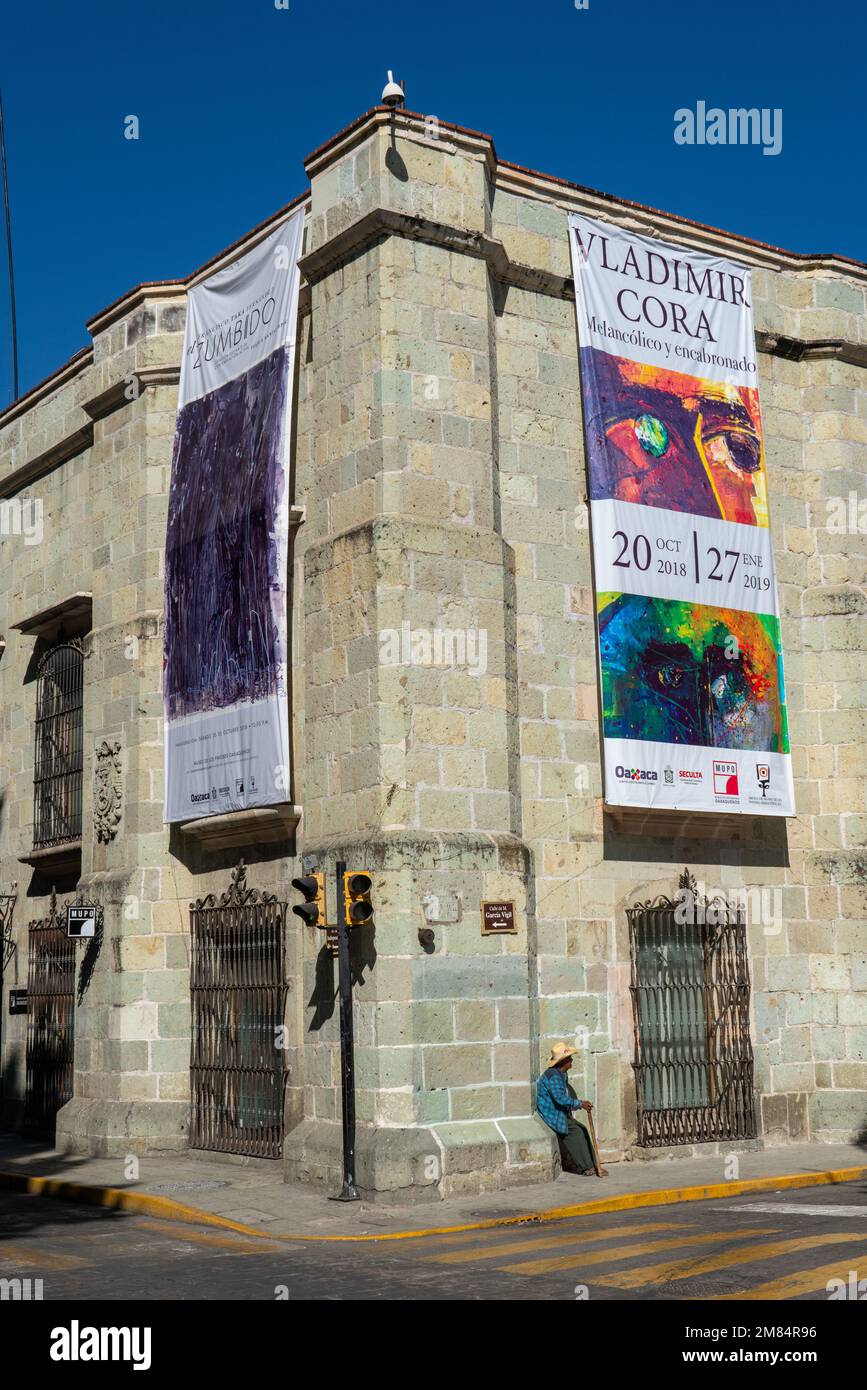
{"points": [[57, 781], [691, 995]]}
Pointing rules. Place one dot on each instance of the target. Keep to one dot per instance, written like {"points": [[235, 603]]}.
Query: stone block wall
{"points": [[439, 458], [104, 521], [475, 368]]}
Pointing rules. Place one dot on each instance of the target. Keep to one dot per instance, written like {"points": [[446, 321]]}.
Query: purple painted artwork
{"points": [[225, 593]]}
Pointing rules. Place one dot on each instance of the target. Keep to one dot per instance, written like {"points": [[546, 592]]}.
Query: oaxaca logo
{"points": [[634, 774], [725, 779]]}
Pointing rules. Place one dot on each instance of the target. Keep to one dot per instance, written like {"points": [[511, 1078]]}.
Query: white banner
{"points": [[692, 689], [225, 686]]}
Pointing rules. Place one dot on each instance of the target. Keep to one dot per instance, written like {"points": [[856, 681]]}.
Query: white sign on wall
{"points": [[225, 684]]}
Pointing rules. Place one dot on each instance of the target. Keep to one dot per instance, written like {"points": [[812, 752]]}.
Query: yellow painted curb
{"points": [[118, 1199]]}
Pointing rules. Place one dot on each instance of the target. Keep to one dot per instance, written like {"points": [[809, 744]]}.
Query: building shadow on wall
{"points": [[754, 842], [198, 859]]}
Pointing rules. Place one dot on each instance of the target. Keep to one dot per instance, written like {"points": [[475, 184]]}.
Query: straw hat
{"points": [[559, 1052]]}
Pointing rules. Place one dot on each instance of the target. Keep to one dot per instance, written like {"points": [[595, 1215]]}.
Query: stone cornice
{"points": [[77, 363], [507, 177], [148, 292], [530, 183], [61, 452], [115, 397], [661, 225], [97, 408], [174, 289], [800, 349], [404, 124], [385, 222]]}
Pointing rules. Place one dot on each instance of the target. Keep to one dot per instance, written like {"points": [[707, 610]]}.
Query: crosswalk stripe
{"points": [[577, 1237], [743, 1254], [804, 1281], [38, 1259], [801, 1209], [182, 1232], [625, 1252]]}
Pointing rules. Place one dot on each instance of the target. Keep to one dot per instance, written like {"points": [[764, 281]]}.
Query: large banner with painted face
{"points": [[691, 668], [225, 680]]}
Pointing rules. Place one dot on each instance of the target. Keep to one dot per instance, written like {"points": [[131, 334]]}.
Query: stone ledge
{"points": [[385, 222], [396, 849], [58, 859], [65, 449], [114, 1128], [389, 531], [256, 825], [426, 1163], [388, 1162], [75, 610], [115, 397]]}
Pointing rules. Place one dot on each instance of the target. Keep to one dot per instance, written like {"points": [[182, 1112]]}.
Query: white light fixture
{"points": [[392, 93]]}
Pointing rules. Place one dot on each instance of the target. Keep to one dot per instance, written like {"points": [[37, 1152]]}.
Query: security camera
{"points": [[392, 93]]}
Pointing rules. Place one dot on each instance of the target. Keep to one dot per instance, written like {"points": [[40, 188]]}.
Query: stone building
{"points": [[439, 485]]}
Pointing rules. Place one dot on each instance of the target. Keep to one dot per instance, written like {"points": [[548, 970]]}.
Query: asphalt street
{"points": [[786, 1245]]}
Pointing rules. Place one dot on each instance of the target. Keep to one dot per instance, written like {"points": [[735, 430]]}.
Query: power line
{"points": [[9, 248]]}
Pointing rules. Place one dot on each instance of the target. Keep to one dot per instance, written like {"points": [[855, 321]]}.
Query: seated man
{"points": [[555, 1101]]}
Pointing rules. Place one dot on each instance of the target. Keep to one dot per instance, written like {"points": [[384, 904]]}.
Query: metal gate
{"points": [[690, 997], [238, 990], [50, 1019]]}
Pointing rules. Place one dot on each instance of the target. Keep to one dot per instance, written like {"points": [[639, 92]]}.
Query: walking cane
{"points": [[596, 1164]]}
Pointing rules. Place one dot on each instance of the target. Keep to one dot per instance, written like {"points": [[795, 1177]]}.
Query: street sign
{"points": [[18, 1001], [498, 918], [80, 919]]}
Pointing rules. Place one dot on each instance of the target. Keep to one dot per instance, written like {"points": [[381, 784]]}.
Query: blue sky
{"points": [[231, 95]]}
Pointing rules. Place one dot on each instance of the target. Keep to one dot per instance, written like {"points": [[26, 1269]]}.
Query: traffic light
{"points": [[312, 910], [356, 896]]}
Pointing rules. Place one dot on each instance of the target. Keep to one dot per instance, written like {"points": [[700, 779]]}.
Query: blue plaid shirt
{"points": [[555, 1099]]}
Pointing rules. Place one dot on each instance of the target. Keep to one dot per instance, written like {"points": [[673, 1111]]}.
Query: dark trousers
{"points": [[576, 1155]]}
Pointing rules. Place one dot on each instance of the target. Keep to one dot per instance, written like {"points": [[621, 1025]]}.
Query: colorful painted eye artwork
{"points": [[651, 435], [664, 439], [686, 673]]}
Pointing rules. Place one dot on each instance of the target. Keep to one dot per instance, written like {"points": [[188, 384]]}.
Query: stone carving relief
{"points": [[107, 790]]}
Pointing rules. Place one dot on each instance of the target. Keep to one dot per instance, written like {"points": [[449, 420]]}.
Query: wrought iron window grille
{"points": [[238, 990], [7, 907], [57, 777], [690, 989]]}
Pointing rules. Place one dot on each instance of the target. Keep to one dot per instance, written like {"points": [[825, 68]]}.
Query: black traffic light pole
{"points": [[349, 1192]]}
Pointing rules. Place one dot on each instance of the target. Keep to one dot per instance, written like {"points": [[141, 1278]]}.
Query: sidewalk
{"points": [[256, 1198]]}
